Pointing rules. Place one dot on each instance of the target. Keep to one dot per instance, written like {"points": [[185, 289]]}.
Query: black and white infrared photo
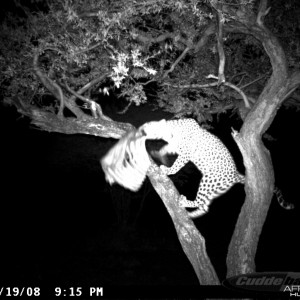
{"points": [[149, 149]]}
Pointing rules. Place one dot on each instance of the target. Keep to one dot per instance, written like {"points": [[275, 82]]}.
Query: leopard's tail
{"points": [[277, 192], [283, 203]]}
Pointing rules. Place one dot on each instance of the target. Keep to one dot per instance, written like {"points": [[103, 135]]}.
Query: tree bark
{"points": [[192, 242], [259, 184]]}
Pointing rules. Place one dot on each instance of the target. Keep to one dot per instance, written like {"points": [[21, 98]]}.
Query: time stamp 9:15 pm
{"points": [[55, 291]]}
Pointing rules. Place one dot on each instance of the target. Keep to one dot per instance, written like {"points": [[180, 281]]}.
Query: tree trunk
{"points": [[259, 184]]}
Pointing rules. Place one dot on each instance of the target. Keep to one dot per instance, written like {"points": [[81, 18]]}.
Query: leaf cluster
{"points": [[79, 41]]}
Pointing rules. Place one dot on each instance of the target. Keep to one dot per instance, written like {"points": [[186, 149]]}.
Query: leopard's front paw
{"points": [[182, 201]]}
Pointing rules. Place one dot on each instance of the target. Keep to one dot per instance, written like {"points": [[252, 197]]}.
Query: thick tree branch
{"points": [[53, 87], [88, 125], [89, 85], [192, 242], [94, 107]]}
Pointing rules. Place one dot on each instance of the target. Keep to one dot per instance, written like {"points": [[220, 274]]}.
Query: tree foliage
{"points": [[137, 49]]}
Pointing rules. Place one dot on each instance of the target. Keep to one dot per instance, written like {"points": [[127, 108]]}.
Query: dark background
{"points": [[58, 220]]}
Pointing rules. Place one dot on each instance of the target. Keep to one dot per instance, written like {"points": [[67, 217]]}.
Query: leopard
{"points": [[127, 162], [192, 143]]}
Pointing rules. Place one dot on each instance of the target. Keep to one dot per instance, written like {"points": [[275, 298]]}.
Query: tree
{"points": [[78, 49]]}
